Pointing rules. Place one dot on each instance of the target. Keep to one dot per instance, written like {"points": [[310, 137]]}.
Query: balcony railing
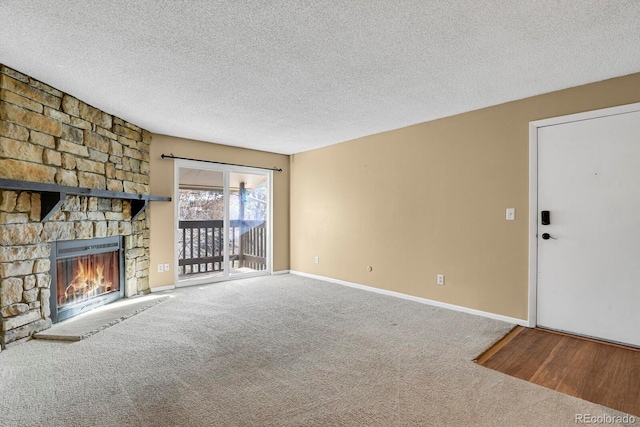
{"points": [[201, 246]]}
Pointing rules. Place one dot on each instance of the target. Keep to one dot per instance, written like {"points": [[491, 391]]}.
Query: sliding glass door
{"points": [[248, 207], [223, 222]]}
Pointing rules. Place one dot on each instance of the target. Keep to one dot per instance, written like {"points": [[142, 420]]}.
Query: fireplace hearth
{"points": [[85, 274]]}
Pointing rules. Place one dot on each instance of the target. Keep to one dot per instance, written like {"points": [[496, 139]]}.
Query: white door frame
{"points": [[533, 189], [226, 170]]}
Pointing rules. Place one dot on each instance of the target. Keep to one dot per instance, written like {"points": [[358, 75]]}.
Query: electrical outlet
{"points": [[440, 279], [160, 268], [317, 260], [511, 214], [166, 266]]}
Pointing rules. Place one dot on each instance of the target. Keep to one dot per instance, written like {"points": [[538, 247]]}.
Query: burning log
{"points": [[87, 282]]}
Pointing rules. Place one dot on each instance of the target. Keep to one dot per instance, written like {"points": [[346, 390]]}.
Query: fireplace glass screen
{"points": [[87, 276]]}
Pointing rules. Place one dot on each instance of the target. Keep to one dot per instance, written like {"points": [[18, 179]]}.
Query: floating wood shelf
{"points": [[52, 196]]}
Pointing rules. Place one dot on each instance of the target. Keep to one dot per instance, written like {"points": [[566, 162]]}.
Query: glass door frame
{"points": [[226, 170]]}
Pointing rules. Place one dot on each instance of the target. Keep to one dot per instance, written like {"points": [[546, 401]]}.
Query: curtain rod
{"points": [[171, 156]]}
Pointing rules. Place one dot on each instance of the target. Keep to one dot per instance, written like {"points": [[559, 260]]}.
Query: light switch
{"points": [[511, 214]]}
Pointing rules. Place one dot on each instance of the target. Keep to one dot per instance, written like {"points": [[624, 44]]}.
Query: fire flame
{"points": [[87, 282]]}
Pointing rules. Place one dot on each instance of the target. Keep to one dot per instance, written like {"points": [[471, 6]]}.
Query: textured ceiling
{"points": [[290, 76]]}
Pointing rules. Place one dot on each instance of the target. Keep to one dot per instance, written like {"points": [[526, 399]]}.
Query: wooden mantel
{"points": [[52, 196]]}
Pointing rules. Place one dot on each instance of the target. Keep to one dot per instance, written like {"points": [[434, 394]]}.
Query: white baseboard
{"points": [[279, 272], [454, 307], [162, 288]]}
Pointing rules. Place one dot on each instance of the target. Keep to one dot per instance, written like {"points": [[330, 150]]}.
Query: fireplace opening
{"points": [[86, 274]]}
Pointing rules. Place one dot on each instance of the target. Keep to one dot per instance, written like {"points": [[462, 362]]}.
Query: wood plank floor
{"points": [[603, 373]]}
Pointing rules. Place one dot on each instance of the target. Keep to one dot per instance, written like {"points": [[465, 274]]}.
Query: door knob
{"points": [[547, 236]]}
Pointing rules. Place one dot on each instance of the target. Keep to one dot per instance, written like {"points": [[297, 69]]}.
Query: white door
{"points": [[589, 266]]}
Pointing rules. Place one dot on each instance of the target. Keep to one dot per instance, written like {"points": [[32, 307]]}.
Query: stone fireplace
{"points": [[92, 170]]}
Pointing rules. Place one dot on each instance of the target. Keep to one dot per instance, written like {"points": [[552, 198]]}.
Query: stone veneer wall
{"points": [[49, 136]]}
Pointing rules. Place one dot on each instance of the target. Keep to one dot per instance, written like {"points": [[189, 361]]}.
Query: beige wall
{"points": [[162, 213], [430, 199]]}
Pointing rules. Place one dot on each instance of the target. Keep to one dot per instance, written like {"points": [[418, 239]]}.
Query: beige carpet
{"points": [[277, 351]]}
